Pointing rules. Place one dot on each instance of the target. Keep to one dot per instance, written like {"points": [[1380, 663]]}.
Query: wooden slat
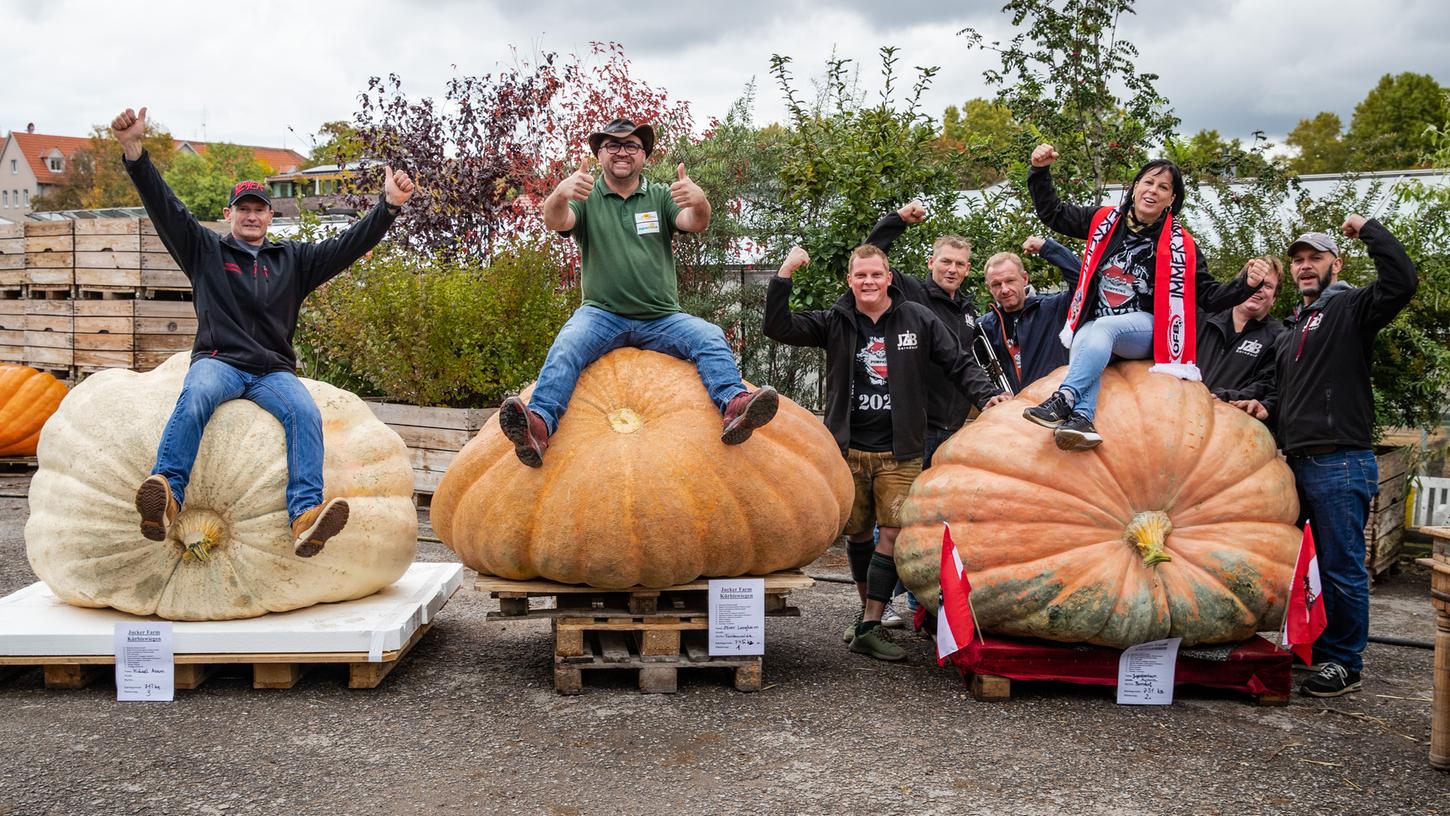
{"points": [[114, 358], [277, 675], [47, 245], [469, 419], [164, 279], [101, 276], [612, 647], [107, 226], [166, 309], [44, 229], [109, 243]]}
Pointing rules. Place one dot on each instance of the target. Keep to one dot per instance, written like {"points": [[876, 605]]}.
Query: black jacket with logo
{"points": [[947, 404], [246, 307], [1322, 360], [916, 341], [1075, 221], [1237, 366]]}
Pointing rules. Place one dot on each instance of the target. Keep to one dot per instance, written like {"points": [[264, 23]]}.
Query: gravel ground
{"points": [[469, 724]]}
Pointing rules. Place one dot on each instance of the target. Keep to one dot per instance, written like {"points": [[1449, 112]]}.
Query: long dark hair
{"points": [[1173, 173]]}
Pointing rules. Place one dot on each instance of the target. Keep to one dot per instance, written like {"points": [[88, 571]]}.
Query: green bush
{"points": [[455, 333]]}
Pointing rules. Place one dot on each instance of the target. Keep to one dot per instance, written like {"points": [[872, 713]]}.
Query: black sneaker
{"points": [[1051, 412], [1331, 681], [1077, 433]]}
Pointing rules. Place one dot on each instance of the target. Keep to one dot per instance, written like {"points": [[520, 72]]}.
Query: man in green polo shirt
{"points": [[623, 224]]}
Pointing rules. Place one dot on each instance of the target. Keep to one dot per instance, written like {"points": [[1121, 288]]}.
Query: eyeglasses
{"points": [[628, 148]]}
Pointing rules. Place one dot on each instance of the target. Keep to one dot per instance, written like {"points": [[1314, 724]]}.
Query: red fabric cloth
{"points": [[1254, 666]]}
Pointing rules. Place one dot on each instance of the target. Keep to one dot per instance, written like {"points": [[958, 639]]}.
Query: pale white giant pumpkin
{"points": [[229, 553]]}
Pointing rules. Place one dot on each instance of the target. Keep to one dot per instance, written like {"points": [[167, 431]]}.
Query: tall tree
{"points": [[1060, 76], [1207, 155], [989, 136], [335, 143], [1321, 145], [1388, 128], [204, 183]]}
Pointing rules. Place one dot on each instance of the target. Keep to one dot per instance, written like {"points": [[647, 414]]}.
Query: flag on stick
{"points": [[1304, 619], [954, 623]]}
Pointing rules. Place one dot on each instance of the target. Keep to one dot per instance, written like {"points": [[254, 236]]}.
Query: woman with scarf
{"points": [[1141, 284]]}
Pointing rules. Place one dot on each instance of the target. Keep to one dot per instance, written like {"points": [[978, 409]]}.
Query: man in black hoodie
{"points": [[247, 291], [1326, 425], [879, 350]]}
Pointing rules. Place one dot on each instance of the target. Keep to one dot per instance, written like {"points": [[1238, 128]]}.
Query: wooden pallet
{"points": [[652, 631], [16, 464], [269, 671]]}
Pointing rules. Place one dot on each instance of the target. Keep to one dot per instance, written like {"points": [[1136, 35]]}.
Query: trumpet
{"points": [[986, 357]]}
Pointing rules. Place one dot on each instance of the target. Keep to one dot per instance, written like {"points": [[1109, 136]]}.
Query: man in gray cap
{"points": [[623, 224], [1325, 409]]}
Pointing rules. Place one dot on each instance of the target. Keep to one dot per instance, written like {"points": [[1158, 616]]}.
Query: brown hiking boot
{"points": [[314, 527], [525, 429], [748, 411], [156, 506]]}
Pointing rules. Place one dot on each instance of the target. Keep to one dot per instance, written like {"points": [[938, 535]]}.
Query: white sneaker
{"points": [[891, 620]]}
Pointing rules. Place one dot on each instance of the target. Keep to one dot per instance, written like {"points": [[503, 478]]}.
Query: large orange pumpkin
{"points": [[1179, 525], [637, 489], [27, 399]]}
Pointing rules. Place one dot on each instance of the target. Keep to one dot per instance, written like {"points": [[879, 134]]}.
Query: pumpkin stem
{"points": [[198, 532], [1147, 532], [625, 421]]}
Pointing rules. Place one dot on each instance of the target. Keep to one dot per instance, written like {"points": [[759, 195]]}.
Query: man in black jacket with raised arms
{"points": [[1325, 413], [247, 291], [879, 349]]}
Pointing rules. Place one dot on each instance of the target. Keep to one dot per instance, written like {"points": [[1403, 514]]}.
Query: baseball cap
{"points": [[1322, 241], [620, 128], [255, 189]]}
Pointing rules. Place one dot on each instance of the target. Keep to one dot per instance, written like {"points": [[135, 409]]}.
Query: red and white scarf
{"points": [[1175, 262]]}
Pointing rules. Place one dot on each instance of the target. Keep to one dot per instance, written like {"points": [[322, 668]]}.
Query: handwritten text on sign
{"points": [[1145, 673], [145, 661], [737, 616]]}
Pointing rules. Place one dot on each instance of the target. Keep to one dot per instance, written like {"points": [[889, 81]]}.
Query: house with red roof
{"points": [[30, 162]]}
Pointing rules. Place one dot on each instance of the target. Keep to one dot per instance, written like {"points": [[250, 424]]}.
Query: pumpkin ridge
{"points": [[1102, 518]]}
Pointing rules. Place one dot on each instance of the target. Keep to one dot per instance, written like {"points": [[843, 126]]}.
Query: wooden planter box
{"points": [[1384, 535], [433, 436]]}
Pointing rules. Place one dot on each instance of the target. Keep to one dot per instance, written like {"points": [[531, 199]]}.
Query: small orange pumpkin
{"points": [[637, 489], [1179, 525], [27, 399]]}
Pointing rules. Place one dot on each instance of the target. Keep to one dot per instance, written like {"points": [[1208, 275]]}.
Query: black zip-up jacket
{"points": [[1074, 221], [916, 340], [1039, 322], [1237, 366], [947, 404], [246, 307], [1322, 360]]}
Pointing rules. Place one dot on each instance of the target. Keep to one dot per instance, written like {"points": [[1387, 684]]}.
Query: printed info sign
{"points": [[737, 616], [145, 661]]}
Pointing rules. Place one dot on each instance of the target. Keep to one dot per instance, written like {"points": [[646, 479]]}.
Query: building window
{"points": [[57, 165], [5, 199], [27, 198], [14, 167]]}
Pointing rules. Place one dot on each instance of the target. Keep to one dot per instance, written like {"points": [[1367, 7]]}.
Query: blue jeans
{"points": [[593, 332], [1335, 490], [1129, 336], [211, 382], [934, 438]]}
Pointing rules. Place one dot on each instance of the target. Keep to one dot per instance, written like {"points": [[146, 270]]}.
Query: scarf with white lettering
{"points": [[1175, 262]]}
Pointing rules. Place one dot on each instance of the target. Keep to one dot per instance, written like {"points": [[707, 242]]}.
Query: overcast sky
{"points": [[248, 71]]}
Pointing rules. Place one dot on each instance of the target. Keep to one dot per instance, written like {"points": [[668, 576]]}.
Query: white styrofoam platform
{"points": [[34, 622]]}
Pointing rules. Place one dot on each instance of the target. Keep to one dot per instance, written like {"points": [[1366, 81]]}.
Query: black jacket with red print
{"points": [[246, 307], [916, 341]]}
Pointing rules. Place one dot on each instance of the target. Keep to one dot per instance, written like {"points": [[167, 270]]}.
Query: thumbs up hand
{"points": [[397, 187], [685, 192], [577, 185], [129, 128]]}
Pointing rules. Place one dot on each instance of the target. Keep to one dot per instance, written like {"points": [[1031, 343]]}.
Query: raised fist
{"points": [[397, 187], [1033, 244], [1044, 155], [912, 212], [794, 260], [1254, 272], [1352, 225]]}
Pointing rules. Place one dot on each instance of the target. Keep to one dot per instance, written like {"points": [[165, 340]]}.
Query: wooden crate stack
{"points": [[433, 436], [108, 257], [1384, 534], [12, 293]]}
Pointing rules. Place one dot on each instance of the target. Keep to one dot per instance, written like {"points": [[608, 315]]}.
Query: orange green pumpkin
{"points": [[1181, 524], [636, 488]]}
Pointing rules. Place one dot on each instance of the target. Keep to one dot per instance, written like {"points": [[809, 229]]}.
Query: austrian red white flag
{"points": [[954, 629], [1305, 619]]}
